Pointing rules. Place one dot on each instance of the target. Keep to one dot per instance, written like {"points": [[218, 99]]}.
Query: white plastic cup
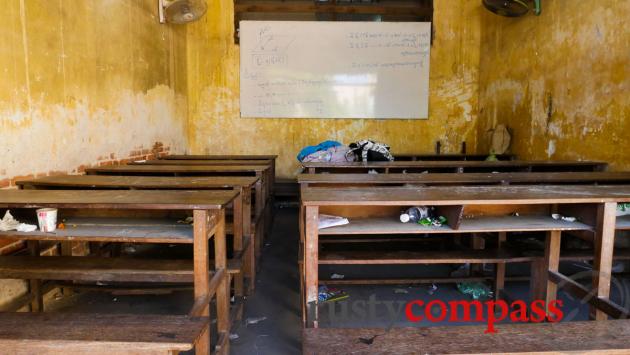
{"points": [[47, 219]]}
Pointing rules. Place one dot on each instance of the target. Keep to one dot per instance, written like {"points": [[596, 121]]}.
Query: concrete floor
{"points": [[277, 298]]}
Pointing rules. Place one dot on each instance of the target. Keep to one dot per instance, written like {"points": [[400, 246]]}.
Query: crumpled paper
{"points": [[8, 223]]}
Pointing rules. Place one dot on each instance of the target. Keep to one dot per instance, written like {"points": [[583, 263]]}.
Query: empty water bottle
{"points": [[414, 214]]}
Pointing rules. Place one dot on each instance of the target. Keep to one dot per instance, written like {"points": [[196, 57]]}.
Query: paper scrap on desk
{"points": [[23, 227], [326, 221]]}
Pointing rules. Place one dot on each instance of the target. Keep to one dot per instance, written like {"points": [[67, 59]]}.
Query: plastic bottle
{"points": [[414, 214]]}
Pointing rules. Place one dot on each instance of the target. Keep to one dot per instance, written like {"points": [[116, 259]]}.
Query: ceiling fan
{"points": [[181, 11], [512, 8]]}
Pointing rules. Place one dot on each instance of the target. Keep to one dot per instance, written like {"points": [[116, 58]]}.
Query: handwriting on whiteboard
{"points": [[334, 70]]}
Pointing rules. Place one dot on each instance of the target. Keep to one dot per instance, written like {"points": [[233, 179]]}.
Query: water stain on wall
{"points": [[87, 79], [560, 80]]}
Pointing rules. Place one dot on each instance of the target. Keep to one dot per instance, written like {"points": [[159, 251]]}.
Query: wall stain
{"points": [[576, 55], [86, 79]]}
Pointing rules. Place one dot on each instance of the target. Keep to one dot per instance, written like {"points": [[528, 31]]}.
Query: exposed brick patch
{"points": [[138, 153]]}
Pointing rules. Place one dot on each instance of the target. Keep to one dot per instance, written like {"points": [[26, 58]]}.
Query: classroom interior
{"points": [[179, 225]]}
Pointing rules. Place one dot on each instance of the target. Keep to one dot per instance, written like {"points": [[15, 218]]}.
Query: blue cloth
{"points": [[316, 148]]}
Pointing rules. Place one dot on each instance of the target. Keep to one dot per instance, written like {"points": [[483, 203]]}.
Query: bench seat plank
{"points": [[126, 230], [611, 337], [75, 333], [480, 224], [107, 230], [623, 223], [421, 257], [86, 268]]}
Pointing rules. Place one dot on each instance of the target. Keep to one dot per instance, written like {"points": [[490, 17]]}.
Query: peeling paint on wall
{"points": [[569, 69], [213, 94], [87, 81]]}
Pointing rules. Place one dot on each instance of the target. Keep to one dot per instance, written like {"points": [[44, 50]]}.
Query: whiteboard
{"points": [[316, 69]]}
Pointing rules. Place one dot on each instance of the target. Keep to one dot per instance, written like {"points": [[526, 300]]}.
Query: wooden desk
{"points": [[487, 209], [269, 173], [221, 156], [207, 207], [261, 192], [449, 157], [433, 179], [271, 157], [264, 213], [242, 228], [455, 166]]}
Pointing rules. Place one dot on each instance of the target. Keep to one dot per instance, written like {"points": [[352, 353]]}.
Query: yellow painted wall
{"points": [[213, 94], [576, 56], [87, 81]]}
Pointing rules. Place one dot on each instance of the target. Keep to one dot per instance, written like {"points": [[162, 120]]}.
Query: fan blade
{"points": [[184, 11], [508, 8]]}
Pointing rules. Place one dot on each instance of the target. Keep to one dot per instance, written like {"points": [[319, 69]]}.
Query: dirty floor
{"points": [[271, 322]]}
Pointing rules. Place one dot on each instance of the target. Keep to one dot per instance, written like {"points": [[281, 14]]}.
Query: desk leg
{"points": [[223, 290], [264, 184], [238, 242], [201, 220], [260, 206], [35, 286], [478, 243], [552, 262], [66, 250], [301, 261], [499, 277], [311, 264], [604, 244], [249, 259]]}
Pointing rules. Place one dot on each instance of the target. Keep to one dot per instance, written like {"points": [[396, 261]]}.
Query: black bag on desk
{"points": [[367, 150]]}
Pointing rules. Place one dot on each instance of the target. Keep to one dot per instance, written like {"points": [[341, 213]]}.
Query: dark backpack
{"points": [[367, 150]]}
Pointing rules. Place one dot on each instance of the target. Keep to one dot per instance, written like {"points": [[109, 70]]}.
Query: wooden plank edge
{"points": [[203, 302], [603, 304]]}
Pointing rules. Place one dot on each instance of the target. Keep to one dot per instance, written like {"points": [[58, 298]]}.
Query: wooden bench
{"points": [[244, 234], [455, 166], [587, 337], [469, 209], [78, 333], [208, 210]]}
